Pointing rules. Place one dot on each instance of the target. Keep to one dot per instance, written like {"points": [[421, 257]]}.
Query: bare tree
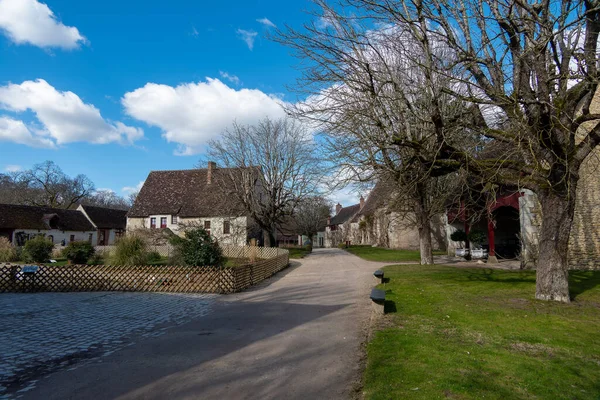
{"points": [[45, 185], [108, 199], [310, 215], [49, 186], [534, 66], [366, 90], [131, 198], [12, 190], [280, 157]]}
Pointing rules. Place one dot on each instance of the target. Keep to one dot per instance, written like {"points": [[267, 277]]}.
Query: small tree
{"points": [[130, 250], [198, 248], [37, 249], [476, 237], [79, 252]]}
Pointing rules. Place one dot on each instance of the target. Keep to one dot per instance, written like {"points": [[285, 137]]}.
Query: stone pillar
{"points": [[530, 219]]}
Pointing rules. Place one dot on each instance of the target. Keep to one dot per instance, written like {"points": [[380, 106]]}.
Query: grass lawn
{"points": [[479, 333], [298, 252], [370, 253]]}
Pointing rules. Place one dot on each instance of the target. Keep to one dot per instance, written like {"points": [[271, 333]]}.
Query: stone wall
{"points": [[584, 243], [395, 230]]}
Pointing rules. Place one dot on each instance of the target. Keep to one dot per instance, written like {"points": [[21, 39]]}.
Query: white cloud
{"points": [[347, 196], [104, 190], [64, 116], [13, 168], [248, 37], [29, 21], [133, 189], [229, 77], [191, 114], [195, 32], [12, 130], [266, 22]]}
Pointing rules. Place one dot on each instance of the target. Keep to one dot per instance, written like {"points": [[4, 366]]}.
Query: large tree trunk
{"points": [[269, 238], [552, 280], [424, 227], [425, 244]]}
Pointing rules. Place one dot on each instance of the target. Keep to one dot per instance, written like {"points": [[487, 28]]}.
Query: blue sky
{"points": [[115, 89]]}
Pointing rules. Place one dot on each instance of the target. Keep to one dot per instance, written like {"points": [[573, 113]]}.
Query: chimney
{"points": [[362, 202], [211, 167], [338, 208]]}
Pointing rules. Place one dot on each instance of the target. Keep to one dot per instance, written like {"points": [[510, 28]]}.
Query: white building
{"points": [[20, 223], [206, 198]]}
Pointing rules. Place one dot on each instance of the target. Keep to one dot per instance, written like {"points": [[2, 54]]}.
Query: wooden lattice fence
{"points": [[183, 279]]}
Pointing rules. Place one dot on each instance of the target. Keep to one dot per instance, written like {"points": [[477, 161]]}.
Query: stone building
{"points": [[584, 242], [513, 220], [338, 229], [383, 222], [380, 221]]}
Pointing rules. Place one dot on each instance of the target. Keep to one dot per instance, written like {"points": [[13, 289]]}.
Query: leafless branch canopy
{"points": [[283, 167]]}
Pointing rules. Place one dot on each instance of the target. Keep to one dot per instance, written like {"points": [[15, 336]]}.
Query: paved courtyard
{"points": [[297, 335], [44, 332]]}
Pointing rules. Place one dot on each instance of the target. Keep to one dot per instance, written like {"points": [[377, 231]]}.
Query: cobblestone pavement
{"points": [[43, 332]]}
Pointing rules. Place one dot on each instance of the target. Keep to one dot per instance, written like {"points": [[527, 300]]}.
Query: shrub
{"points": [[458, 236], [477, 237], [130, 250], [308, 248], [7, 250], [97, 258], [19, 253], [341, 245], [198, 248], [37, 249], [154, 256], [78, 252]]}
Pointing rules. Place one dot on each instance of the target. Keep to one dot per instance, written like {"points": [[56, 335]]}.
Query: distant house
{"points": [[109, 223], [338, 227], [20, 223], [288, 235], [197, 197]]}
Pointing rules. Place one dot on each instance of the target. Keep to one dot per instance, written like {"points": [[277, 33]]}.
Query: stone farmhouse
{"points": [[175, 200]]}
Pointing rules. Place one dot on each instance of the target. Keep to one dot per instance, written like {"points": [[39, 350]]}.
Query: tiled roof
{"points": [[345, 214], [187, 193], [29, 217], [381, 195], [107, 218]]}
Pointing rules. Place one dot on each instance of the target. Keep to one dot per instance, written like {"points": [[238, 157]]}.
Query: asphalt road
{"points": [[297, 335]]}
